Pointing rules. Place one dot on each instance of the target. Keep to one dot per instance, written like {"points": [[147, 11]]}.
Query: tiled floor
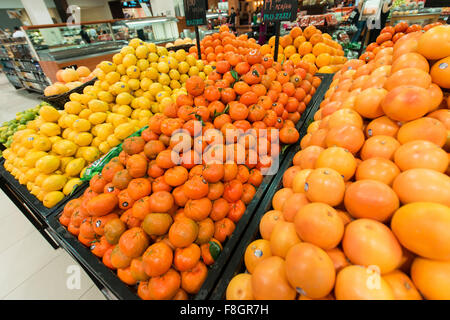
{"points": [[29, 267]]}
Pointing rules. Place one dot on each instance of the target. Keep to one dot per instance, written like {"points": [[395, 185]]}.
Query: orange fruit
{"points": [[370, 243], [310, 270], [256, 251], [240, 287]]}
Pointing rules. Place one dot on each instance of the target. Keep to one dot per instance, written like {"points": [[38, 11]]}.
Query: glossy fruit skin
{"points": [[351, 284], [432, 278], [319, 224], [370, 243], [421, 154], [402, 286], [310, 270], [422, 185], [269, 281], [406, 103], [371, 199], [423, 228]]}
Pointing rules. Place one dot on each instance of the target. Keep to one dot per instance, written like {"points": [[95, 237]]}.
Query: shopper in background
{"points": [[84, 34], [232, 19], [18, 33], [355, 16], [384, 14]]}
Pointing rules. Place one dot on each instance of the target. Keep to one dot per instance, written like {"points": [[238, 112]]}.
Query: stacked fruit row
{"points": [[159, 213], [389, 36], [310, 46], [68, 79], [51, 154], [364, 212]]}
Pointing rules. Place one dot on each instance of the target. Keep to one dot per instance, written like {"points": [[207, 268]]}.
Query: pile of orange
{"points": [[389, 36], [310, 46], [224, 45], [364, 212], [158, 216]]}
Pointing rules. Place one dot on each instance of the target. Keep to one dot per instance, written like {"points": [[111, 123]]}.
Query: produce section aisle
{"points": [[27, 261]]}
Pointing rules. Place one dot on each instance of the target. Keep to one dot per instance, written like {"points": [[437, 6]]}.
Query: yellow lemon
{"points": [[55, 139], [163, 67], [75, 97], [193, 71], [172, 62], [119, 119], [121, 69], [183, 78], [98, 106], [90, 154], [134, 84], [54, 182], [202, 75], [119, 88], [142, 103], [32, 157], [143, 64], [123, 130], [52, 198], [71, 184], [105, 130], [31, 174], [127, 50], [67, 133], [174, 74], [180, 55], [48, 164], [81, 125], [135, 114], [133, 72], [113, 141], [200, 65], [117, 58], [162, 51], [124, 110], [161, 95], [174, 84], [74, 167], [64, 162], [191, 60], [112, 77], [65, 148], [97, 118], [104, 147], [164, 79], [129, 60], [96, 142], [42, 143], [49, 114], [50, 129], [107, 66], [183, 67], [124, 98], [40, 178], [135, 42], [155, 88], [153, 57], [207, 69], [145, 84], [151, 46], [105, 96], [84, 114], [83, 139], [142, 51]]}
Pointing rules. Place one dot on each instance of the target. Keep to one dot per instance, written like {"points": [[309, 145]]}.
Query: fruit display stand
{"points": [[236, 262]]}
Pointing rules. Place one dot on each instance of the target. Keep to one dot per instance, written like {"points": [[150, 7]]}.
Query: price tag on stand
{"points": [[195, 13], [276, 11]]}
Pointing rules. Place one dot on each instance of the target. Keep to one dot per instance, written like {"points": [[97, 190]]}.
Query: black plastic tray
{"points": [[101, 274], [22, 193], [58, 101], [236, 262]]}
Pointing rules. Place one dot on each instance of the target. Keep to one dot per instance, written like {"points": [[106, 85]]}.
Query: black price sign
{"points": [[195, 12], [280, 10]]}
